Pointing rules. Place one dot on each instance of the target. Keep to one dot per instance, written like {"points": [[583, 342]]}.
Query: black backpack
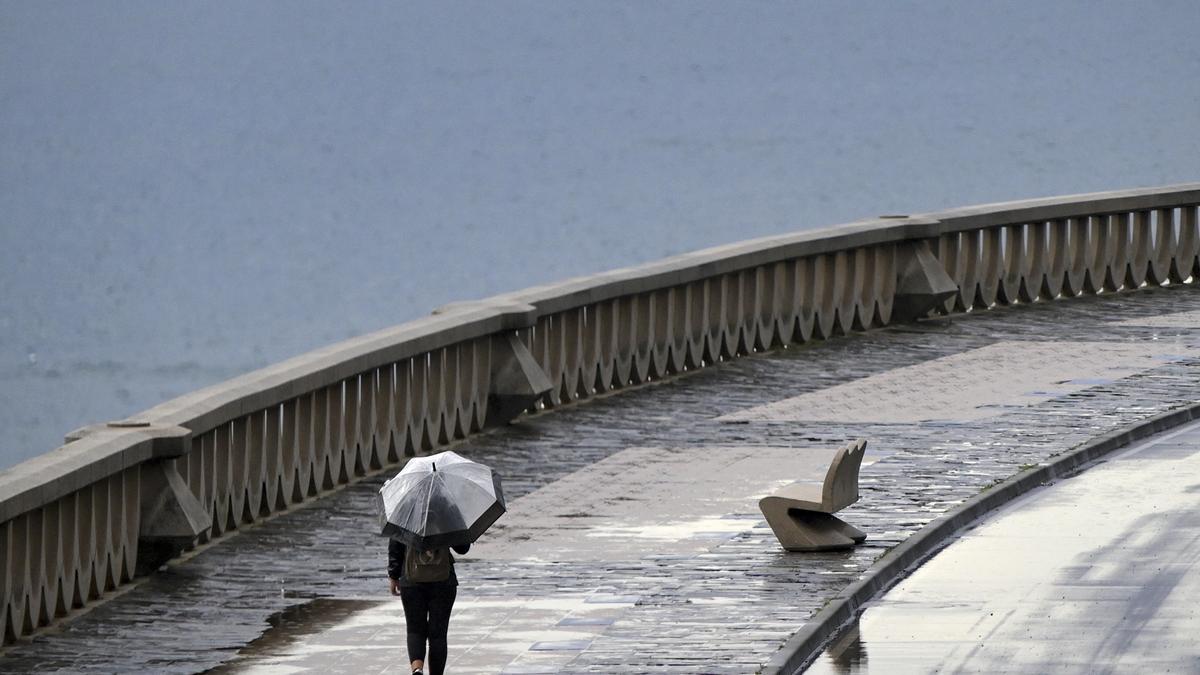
{"points": [[426, 566]]}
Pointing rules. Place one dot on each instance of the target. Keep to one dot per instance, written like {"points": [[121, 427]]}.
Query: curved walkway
{"points": [[1099, 573], [621, 552]]}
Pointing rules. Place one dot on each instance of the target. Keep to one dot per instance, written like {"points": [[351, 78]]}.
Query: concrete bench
{"points": [[801, 513]]}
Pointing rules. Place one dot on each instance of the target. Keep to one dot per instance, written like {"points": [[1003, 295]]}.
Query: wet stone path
{"points": [[703, 602]]}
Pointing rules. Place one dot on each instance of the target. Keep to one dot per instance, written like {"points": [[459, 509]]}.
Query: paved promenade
{"points": [[634, 543], [1099, 573]]}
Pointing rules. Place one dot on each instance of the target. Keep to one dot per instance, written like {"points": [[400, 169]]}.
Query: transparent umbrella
{"points": [[440, 500]]}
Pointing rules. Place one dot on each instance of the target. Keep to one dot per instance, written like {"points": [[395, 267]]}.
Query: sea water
{"points": [[192, 191]]}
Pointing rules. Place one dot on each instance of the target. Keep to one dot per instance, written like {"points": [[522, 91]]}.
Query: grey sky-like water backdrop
{"points": [[192, 191]]}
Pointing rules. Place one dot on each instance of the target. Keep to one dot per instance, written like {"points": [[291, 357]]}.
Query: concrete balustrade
{"points": [[119, 499]]}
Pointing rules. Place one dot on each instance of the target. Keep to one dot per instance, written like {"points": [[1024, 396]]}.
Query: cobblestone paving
{"points": [[724, 610]]}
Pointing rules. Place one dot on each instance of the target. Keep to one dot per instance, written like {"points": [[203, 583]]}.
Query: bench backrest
{"points": [[840, 488]]}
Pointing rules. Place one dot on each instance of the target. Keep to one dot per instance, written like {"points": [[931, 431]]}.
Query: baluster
{"points": [[864, 288], [130, 485], [844, 280], [456, 419], [290, 451], [738, 316], [406, 417], [984, 258], [256, 478], [573, 324], [72, 591], [719, 332], [1113, 236], [955, 259], [383, 447], [1139, 232], [1057, 260], [1034, 268], [691, 330], [114, 515], [441, 379], [1185, 242], [676, 300], [626, 346], [21, 559], [883, 289], [238, 472], [306, 460], [278, 483], [649, 354], [327, 460], [824, 296], [52, 561], [222, 469], [365, 445], [776, 317], [613, 327]]}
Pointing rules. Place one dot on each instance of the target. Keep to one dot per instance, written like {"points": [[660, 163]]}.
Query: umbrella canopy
{"points": [[440, 500]]}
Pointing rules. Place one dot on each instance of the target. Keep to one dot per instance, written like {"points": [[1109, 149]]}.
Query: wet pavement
{"points": [[1099, 573], [673, 570]]}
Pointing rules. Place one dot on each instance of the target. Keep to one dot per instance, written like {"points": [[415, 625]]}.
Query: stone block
{"points": [[922, 283], [171, 516], [517, 381]]}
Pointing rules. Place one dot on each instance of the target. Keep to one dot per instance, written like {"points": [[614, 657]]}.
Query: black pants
{"points": [[427, 613]]}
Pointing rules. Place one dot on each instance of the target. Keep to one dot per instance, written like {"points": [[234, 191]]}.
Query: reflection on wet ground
{"points": [[848, 653], [1097, 573], [293, 624]]}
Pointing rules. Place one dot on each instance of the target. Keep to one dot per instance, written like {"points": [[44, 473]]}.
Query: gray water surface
{"points": [[192, 191]]}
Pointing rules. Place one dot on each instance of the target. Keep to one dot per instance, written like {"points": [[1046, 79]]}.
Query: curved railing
{"points": [[119, 499]]}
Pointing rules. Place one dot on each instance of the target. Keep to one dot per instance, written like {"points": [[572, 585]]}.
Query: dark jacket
{"points": [[396, 551]]}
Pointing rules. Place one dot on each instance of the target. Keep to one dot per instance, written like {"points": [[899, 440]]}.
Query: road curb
{"points": [[806, 644]]}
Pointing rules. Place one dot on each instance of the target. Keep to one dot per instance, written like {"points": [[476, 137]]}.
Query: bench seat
{"points": [[801, 513]]}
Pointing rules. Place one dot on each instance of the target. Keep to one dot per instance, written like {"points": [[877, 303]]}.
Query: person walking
{"points": [[427, 586], [436, 503]]}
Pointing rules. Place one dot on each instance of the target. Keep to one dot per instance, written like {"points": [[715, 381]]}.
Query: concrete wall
{"points": [[118, 499]]}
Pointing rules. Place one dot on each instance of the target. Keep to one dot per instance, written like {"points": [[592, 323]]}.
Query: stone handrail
{"points": [[119, 499]]}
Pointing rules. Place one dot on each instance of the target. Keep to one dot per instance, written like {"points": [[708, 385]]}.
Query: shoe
{"points": [[417, 672]]}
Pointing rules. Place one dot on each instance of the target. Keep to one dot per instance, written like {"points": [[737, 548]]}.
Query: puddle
{"points": [[292, 625]]}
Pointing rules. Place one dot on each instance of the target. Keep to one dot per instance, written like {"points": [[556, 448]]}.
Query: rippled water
{"points": [[188, 192]]}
